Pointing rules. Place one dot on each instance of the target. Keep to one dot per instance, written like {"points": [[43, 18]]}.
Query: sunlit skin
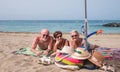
{"points": [[43, 41]]}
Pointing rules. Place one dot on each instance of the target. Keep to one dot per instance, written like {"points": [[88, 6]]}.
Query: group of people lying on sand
{"points": [[47, 44]]}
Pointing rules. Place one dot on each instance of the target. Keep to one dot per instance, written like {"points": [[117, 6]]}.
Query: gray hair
{"points": [[74, 31]]}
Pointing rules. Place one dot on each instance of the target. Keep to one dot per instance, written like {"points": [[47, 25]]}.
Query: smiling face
{"points": [[58, 35], [44, 34], [74, 35]]}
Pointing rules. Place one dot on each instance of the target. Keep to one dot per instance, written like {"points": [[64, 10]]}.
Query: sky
{"points": [[59, 10]]}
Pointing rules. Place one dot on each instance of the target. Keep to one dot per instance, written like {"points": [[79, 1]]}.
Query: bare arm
{"points": [[55, 46], [73, 44], [49, 46], [34, 45]]}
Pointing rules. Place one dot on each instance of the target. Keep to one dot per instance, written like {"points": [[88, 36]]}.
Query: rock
{"points": [[112, 25]]}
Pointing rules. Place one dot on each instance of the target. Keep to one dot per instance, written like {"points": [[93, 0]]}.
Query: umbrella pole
{"points": [[85, 25]]}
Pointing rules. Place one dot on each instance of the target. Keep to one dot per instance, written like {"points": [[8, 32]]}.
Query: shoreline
{"points": [[52, 33]]}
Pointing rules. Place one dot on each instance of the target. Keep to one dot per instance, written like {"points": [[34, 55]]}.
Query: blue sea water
{"points": [[53, 25]]}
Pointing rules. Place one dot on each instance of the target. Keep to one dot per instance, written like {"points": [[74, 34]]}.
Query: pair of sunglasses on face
{"points": [[74, 35], [58, 36], [45, 35]]}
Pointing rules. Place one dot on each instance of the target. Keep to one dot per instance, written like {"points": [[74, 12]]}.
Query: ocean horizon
{"points": [[54, 25]]}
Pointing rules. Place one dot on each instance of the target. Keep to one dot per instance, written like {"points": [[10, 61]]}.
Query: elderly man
{"points": [[44, 43]]}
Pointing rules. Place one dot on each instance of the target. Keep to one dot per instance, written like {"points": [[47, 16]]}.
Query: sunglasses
{"points": [[44, 35], [58, 36], [74, 35]]}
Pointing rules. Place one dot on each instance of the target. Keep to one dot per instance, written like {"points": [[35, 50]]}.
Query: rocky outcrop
{"points": [[112, 25]]}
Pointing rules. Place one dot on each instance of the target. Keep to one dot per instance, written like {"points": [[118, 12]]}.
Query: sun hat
{"points": [[81, 53], [97, 58], [67, 49]]}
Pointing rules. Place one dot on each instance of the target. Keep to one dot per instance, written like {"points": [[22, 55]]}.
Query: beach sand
{"points": [[12, 41]]}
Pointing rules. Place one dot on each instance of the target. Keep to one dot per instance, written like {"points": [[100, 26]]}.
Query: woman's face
{"points": [[58, 37], [74, 35]]}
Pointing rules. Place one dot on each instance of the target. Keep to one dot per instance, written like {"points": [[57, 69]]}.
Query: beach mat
{"points": [[27, 51], [24, 51], [112, 58]]}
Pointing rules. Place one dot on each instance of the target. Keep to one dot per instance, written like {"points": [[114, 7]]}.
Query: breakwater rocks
{"points": [[112, 25]]}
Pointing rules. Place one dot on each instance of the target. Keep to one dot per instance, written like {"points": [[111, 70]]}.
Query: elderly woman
{"points": [[59, 42], [77, 41]]}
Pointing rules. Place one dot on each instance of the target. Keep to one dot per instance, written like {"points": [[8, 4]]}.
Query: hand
{"points": [[46, 52], [58, 41], [74, 41], [37, 53]]}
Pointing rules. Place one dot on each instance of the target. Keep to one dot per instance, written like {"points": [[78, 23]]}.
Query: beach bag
{"points": [[89, 65], [97, 58]]}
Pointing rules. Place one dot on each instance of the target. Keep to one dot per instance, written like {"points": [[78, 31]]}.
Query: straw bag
{"points": [[97, 58]]}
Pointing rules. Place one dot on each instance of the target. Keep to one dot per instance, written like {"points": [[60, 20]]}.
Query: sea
{"points": [[54, 25]]}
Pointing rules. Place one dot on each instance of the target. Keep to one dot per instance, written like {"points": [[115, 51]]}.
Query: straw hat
{"points": [[67, 49], [81, 53], [97, 58]]}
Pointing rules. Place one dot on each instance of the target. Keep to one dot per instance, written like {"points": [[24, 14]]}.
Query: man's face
{"points": [[45, 36]]}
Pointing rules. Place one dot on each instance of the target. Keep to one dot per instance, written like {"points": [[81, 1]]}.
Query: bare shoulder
{"points": [[81, 38], [37, 38], [51, 38]]}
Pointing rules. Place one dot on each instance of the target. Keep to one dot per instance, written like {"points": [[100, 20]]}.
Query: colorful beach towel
{"points": [[109, 53]]}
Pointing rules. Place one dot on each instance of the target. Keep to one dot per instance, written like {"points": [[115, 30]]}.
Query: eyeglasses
{"points": [[44, 35], [74, 35]]}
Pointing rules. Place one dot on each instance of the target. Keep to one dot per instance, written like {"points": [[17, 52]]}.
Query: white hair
{"points": [[74, 31]]}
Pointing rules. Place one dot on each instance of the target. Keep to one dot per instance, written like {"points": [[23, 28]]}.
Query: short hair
{"points": [[56, 33], [45, 30], [74, 31]]}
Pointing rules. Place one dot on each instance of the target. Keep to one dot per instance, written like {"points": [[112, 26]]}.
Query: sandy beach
{"points": [[12, 41]]}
